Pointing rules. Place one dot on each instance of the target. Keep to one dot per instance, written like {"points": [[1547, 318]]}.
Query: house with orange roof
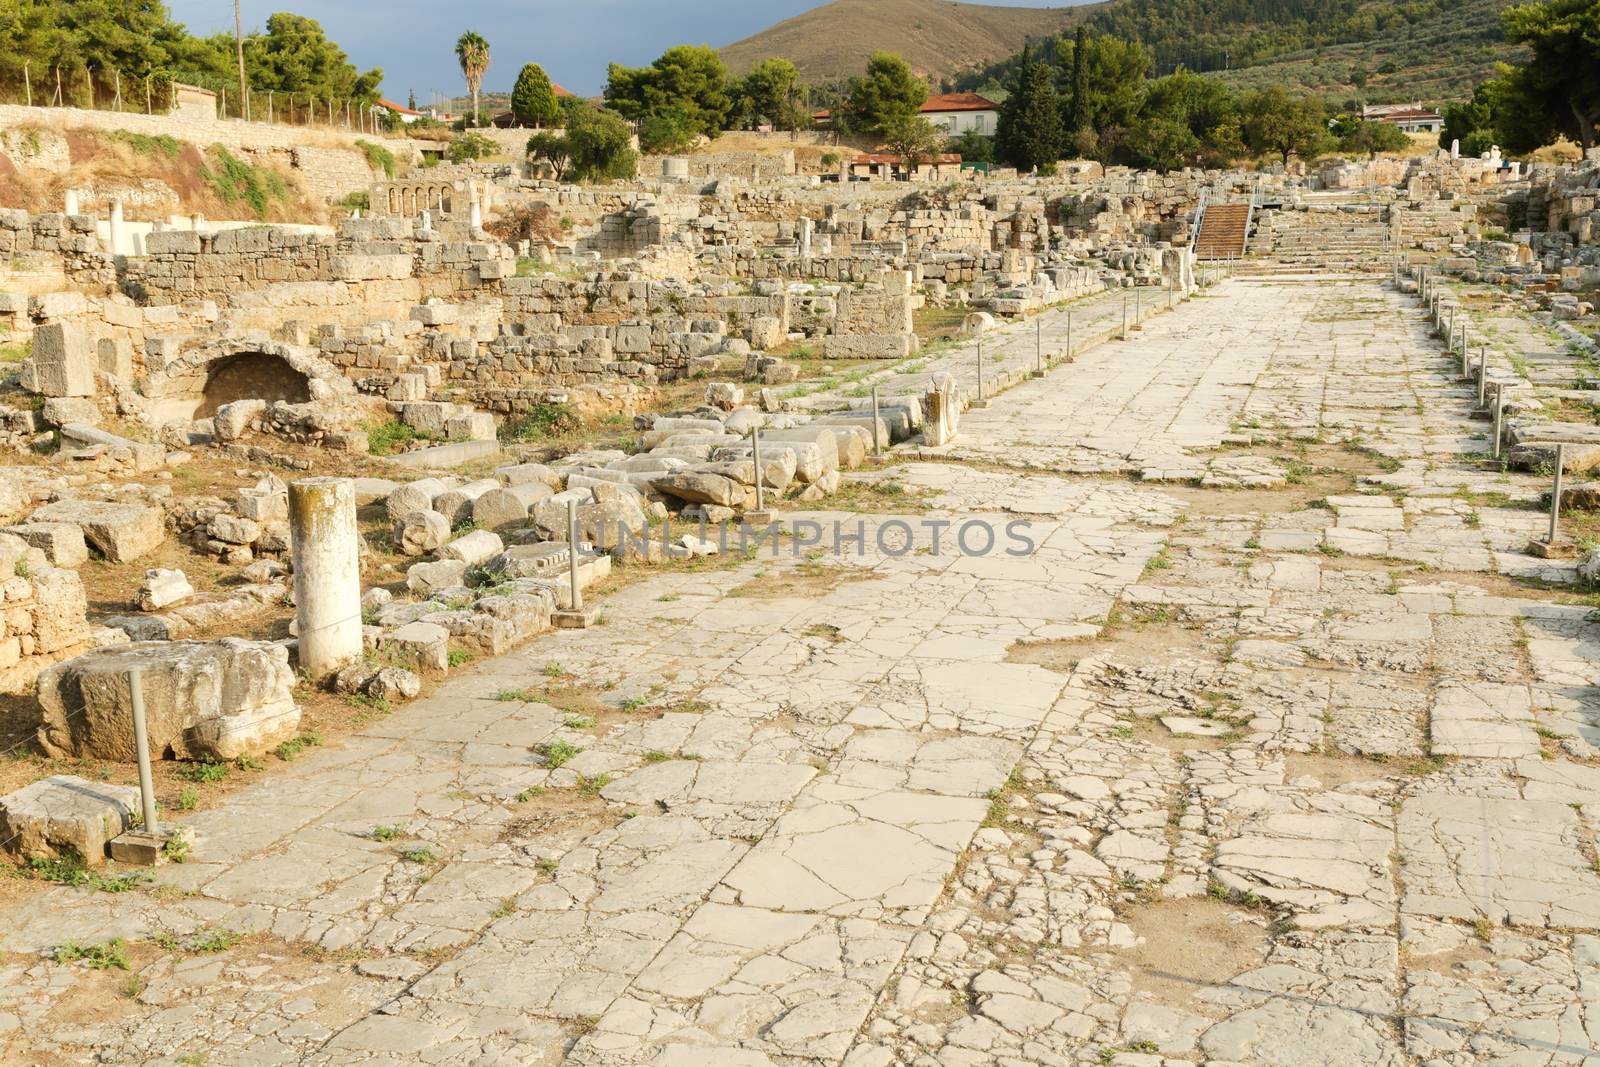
{"points": [[953, 113]]}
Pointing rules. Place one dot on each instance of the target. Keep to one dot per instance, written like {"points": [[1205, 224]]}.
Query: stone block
{"points": [[62, 363], [203, 700], [414, 496], [114, 356], [162, 588], [65, 815], [476, 547], [61, 542], [61, 410], [421, 532], [425, 579], [423, 644], [121, 532], [470, 426]]}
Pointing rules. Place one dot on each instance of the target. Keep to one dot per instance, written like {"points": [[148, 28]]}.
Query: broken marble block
{"points": [[65, 815], [203, 700], [162, 588], [119, 531]]}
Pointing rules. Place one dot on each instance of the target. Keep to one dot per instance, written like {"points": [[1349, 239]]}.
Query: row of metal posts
{"points": [[1454, 327]]}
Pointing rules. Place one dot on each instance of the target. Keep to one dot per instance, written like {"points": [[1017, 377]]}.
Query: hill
{"points": [[938, 38], [1379, 50]]}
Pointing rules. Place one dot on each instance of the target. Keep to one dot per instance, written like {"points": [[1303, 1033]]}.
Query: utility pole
{"points": [[238, 40]]}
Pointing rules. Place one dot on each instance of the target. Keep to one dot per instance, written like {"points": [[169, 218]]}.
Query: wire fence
{"points": [[159, 93]]}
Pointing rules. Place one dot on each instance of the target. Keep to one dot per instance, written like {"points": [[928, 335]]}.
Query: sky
{"points": [[572, 39]]}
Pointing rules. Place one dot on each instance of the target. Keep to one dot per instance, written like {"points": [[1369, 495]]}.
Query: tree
{"points": [[1163, 143], [595, 146], [1274, 121], [1372, 138], [552, 146], [915, 140], [1075, 89], [685, 90], [973, 147], [1203, 109], [772, 91], [533, 98], [1108, 82], [472, 52], [1560, 85], [1031, 133], [295, 56], [886, 96], [1472, 123]]}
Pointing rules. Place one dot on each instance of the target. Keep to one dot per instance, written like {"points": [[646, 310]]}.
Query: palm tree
{"points": [[472, 51]]}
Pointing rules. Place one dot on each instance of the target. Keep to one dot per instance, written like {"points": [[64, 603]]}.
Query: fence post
{"points": [[27, 84], [269, 105], [141, 743], [117, 74], [149, 106]]}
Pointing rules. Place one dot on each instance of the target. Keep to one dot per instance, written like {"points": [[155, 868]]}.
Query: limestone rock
{"points": [[65, 815], [121, 532], [203, 700], [421, 532], [697, 488], [161, 588]]}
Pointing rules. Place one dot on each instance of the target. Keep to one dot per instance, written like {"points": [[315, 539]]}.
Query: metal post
{"points": [[1138, 307], [1069, 335], [141, 743], [877, 440], [572, 555], [1499, 414], [1450, 334], [1124, 318], [1038, 343], [1555, 493], [1483, 372], [980, 371], [755, 451]]}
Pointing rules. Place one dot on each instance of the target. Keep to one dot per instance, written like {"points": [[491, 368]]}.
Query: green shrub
{"points": [[145, 145], [387, 438], [356, 202], [113, 953], [378, 157], [541, 422], [471, 146], [234, 180]]}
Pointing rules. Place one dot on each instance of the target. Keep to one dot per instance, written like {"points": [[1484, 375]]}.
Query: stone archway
{"points": [[220, 372], [251, 376]]}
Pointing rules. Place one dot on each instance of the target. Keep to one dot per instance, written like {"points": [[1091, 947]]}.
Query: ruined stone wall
{"points": [[53, 240], [42, 612], [327, 160], [179, 264]]}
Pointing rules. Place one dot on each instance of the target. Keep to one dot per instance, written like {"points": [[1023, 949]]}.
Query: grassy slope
{"points": [[939, 39], [1440, 60]]}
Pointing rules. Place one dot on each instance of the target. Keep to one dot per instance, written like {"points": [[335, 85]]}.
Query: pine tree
{"points": [[1031, 133]]}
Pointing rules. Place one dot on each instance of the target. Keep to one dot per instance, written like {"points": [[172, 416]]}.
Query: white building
{"points": [[957, 113]]}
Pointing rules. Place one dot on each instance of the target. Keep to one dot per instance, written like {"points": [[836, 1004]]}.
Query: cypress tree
{"points": [[1030, 133]]}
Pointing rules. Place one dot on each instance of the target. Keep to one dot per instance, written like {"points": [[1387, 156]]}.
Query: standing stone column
{"points": [[327, 573], [72, 202], [115, 228]]}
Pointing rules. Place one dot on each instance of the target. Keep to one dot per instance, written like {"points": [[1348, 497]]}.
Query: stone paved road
{"points": [[1257, 759]]}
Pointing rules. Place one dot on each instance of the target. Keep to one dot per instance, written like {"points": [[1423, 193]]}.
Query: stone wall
{"points": [[327, 160], [42, 611]]}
